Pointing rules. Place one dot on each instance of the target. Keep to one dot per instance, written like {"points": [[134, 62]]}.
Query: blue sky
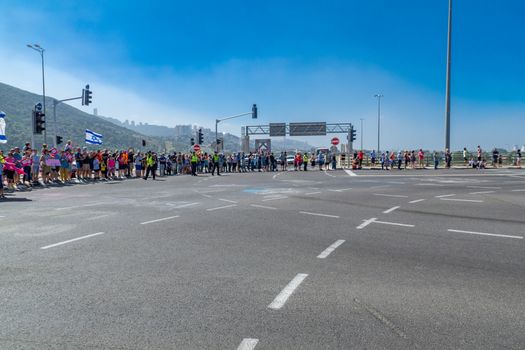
{"points": [[172, 62]]}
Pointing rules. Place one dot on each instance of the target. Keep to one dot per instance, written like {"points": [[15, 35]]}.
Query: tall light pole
{"points": [[447, 93], [378, 96], [41, 50], [361, 133]]}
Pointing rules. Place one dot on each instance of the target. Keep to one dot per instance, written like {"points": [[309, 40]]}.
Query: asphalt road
{"points": [[295, 260]]}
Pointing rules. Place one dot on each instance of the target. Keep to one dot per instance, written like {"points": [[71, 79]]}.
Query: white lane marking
{"points": [[98, 217], [430, 184], [392, 223], [485, 187], [416, 201], [319, 214], [446, 195], [366, 223], [185, 205], [485, 234], [205, 195], [482, 192], [388, 211], [1, 216], [330, 249], [281, 299], [228, 201], [390, 195], [396, 182], [520, 190], [262, 206], [274, 198], [248, 344], [462, 200], [326, 172], [224, 207], [80, 206], [350, 172], [72, 240], [341, 190], [310, 193], [163, 219]]}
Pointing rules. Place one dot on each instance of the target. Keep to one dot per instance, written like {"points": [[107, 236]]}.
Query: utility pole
{"points": [[361, 133], [447, 93], [378, 96]]}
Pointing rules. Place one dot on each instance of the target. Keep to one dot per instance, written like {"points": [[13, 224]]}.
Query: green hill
{"points": [[17, 104]]}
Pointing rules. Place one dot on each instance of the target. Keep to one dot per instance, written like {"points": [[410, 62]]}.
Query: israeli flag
{"points": [[93, 138], [3, 138]]}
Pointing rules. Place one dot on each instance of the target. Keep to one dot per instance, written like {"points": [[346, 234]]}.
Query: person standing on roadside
{"points": [[373, 158], [465, 156], [215, 164], [518, 159], [479, 153], [150, 164], [421, 158], [448, 158], [194, 161], [435, 156], [495, 156], [305, 161]]}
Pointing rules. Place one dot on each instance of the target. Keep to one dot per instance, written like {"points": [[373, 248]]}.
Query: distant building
{"points": [[183, 130]]}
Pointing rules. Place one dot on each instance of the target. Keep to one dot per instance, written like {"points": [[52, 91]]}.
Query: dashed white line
{"points": [[80, 206], [446, 195], [72, 240], [340, 190], [416, 201], [227, 200], [462, 200], [248, 344], [388, 211], [350, 172], [224, 207], [282, 297], [520, 190], [330, 249], [486, 234], [485, 187], [319, 214], [262, 206], [311, 193], [392, 223], [396, 182], [482, 192], [390, 195], [157, 220], [185, 205], [274, 198], [366, 223]]}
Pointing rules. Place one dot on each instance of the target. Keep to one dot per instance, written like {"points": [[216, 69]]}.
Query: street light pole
{"points": [[378, 96], [41, 50], [217, 121], [447, 93], [361, 133]]}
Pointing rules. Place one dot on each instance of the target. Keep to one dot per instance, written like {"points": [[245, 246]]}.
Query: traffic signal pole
{"points": [[57, 102], [217, 121]]}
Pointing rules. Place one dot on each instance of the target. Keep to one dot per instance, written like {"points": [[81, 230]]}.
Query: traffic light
{"points": [[201, 137], [39, 122], [86, 96], [352, 134], [59, 140], [192, 141], [143, 143], [218, 142], [254, 111]]}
